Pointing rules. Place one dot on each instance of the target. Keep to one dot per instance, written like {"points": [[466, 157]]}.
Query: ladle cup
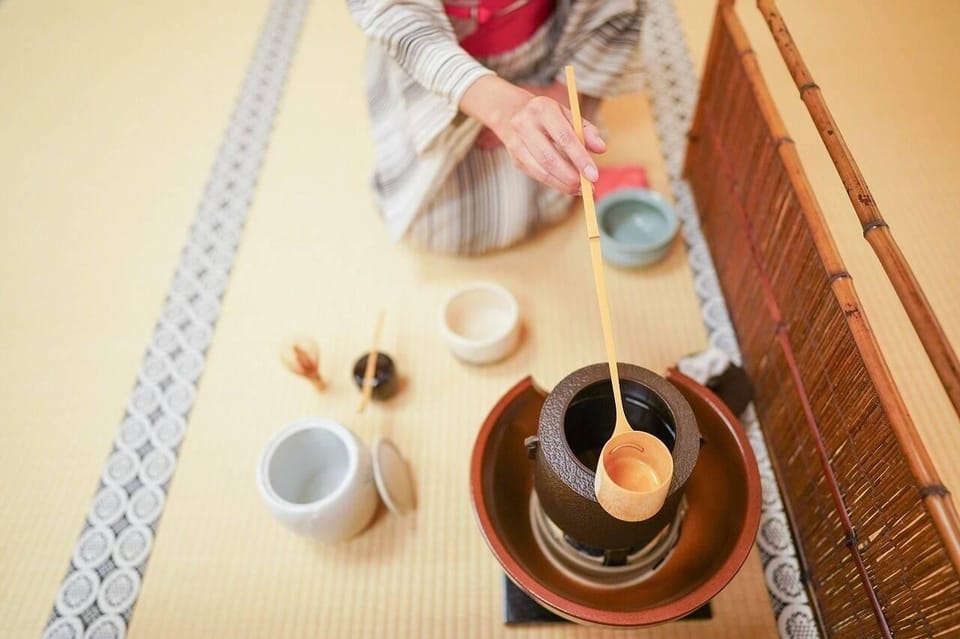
{"points": [[633, 475]]}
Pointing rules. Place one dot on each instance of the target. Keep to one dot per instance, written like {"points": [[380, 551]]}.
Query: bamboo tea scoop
{"points": [[391, 472], [372, 356], [635, 468]]}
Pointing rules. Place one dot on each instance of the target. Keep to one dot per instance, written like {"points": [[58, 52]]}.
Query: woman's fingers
{"points": [[557, 125], [549, 157], [541, 139], [524, 160], [594, 141], [591, 134]]}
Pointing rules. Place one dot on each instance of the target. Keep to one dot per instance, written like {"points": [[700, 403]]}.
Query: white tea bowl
{"points": [[480, 322]]}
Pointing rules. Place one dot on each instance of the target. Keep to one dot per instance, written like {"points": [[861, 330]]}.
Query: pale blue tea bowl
{"points": [[636, 226]]}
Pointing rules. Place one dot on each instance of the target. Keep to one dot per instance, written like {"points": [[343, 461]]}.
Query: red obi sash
{"points": [[496, 26]]}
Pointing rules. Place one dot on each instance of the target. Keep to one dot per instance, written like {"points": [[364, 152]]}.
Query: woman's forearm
{"points": [[419, 38]]}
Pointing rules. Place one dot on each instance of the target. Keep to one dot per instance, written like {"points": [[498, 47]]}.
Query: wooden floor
{"points": [[110, 116]]}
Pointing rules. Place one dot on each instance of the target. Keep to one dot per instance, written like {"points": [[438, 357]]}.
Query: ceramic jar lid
{"points": [[393, 477]]}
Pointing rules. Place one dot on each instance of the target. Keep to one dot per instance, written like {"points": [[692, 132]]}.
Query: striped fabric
{"points": [[434, 188]]}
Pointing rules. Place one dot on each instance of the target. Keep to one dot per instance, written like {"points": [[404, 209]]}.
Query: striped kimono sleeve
{"points": [[417, 36], [607, 54]]}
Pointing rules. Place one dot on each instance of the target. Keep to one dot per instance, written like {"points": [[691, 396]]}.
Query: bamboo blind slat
{"points": [[877, 532]]}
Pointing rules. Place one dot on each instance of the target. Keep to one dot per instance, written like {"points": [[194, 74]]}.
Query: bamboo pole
{"points": [[875, 229], [935, 497]]}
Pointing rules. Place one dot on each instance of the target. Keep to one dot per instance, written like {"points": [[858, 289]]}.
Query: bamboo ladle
{"points": [[635, 468]]}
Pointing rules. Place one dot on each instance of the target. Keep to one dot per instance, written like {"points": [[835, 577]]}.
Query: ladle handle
{"points": [[586, 187], [593, 237]]}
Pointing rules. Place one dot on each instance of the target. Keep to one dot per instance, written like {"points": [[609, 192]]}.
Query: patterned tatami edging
{"points": [[672, 88], [97, 596]]}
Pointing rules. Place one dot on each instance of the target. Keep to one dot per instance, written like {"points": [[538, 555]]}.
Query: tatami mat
{"points": [[110, 121]]}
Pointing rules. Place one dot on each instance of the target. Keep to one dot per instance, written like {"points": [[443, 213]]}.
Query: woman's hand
{"points": [[537, 132], [489, 140]]}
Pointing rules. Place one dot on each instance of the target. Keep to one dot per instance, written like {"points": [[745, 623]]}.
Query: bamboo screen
{"points": [[870, 526]]}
